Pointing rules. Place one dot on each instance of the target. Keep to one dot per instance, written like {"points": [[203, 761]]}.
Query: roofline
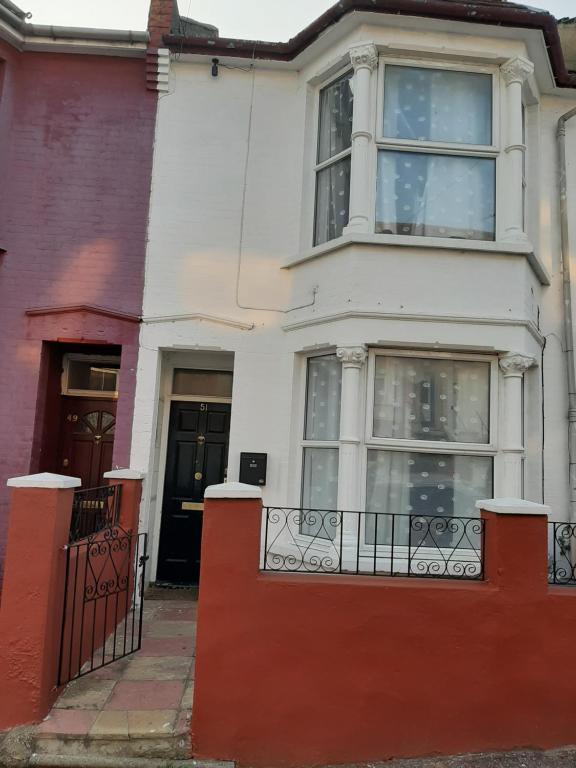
{"points": [[23, 33], [477, 12], [86, 33]]}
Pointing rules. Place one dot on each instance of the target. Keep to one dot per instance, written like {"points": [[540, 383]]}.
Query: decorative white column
{"points": [[513, 366], [352, 359], [515, 71], [364, 59]]}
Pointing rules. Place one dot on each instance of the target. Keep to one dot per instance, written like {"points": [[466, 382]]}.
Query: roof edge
{"points": [[478, 12], [16, 19]]}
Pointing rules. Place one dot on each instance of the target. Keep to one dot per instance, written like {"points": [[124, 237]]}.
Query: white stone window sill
{"points": [[519, 248]]}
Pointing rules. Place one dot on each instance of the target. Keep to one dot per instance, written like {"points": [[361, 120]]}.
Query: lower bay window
{"points": [[428, 445], [321, 435]]}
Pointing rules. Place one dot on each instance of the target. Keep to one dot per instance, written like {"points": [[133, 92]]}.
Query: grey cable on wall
{"points": [[243, 215]]}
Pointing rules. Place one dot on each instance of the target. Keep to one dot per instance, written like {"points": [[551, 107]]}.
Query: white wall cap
{"points": [[233, 491], [513, 507], [124, 474], [44, 480]]}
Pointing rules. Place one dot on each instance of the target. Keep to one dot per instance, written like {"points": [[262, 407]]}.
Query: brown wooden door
{"points": [[87, 438]]}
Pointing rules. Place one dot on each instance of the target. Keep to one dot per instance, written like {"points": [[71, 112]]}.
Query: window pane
{"points": [[428, 399], [437, 105], [332, 201], [435, 195], [93, 376], [323, 398], [335, 123], [422, 484], [319, 491], [202, 383]]}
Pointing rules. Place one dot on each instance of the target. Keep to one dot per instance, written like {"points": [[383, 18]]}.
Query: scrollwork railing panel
{"points": [[366, 543]]}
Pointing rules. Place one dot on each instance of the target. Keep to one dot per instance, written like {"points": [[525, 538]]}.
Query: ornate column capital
{"points": [[365, 55], [352, 357], [516, 70], [516, 364]]}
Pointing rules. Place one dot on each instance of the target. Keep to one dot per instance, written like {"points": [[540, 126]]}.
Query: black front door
{"points": [[197, 457]]}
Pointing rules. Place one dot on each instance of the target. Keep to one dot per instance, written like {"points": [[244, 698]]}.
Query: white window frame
{"points": [[432, 446], [98, 359], [458, 149], [493, 151], [302, 539], [486, 450], [317, 167]]}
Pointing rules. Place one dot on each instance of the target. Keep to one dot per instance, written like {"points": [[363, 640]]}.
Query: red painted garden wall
{"points": [[76, 141], [303, 670]]}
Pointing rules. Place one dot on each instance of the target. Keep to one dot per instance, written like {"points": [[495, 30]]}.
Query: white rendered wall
{"points": [[372, 294]]}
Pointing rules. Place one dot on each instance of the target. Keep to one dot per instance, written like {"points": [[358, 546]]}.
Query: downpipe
{"points": [[567, 309]]}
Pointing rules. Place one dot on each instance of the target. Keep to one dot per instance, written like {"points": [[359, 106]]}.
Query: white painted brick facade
{"points": [[364, 293]]}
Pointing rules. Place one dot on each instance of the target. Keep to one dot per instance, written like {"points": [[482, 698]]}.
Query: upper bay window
{"points": [[333, 159], [429, 183], [430, 134]]}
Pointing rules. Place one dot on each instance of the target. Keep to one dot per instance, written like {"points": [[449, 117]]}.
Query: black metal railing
{"points": [[562, 553], [103, 601], [378, 544], [93, 509]]}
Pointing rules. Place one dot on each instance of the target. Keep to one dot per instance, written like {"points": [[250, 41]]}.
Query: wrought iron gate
{"points": [[103, 601]]}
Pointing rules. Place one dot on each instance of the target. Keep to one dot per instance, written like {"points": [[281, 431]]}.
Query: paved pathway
{"points": [[144, 697]]}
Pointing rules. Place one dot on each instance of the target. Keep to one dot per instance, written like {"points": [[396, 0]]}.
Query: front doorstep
{"points": [[137, 707]]}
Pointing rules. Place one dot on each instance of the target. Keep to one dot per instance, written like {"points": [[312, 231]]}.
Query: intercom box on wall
{"points": [[253, 468]]}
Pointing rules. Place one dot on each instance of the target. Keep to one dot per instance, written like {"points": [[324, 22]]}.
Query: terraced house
{"points": [[354, 278]]}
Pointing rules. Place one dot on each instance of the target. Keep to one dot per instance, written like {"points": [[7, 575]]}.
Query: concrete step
{"points": [[80, 748], [94, 761]]}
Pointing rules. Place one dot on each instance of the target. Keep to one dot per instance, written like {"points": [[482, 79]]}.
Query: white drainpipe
{"points": [[567, 297]]}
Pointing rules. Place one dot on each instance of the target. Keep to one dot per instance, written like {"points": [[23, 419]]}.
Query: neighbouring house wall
{"points": [[303, 669], [76, 136]]}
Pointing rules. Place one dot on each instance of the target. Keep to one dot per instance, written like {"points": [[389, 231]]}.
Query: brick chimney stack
{"points": [[160, 17]]}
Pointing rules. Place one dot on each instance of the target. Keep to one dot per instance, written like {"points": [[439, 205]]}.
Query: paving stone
{"points": [[149, 724], [110, 725], [186, 614], [168, 646], [146, 695], [171, 629], [86, 693], [182, 727], [112, 671], [188, 695], [158, 668], [71, 722]]}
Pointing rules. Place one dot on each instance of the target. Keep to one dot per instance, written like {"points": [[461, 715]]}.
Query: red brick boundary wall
{"points": [[302, 670], [33, 596]]}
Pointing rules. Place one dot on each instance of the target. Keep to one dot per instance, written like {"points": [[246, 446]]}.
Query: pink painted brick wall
{"points": [[76, 140]]}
